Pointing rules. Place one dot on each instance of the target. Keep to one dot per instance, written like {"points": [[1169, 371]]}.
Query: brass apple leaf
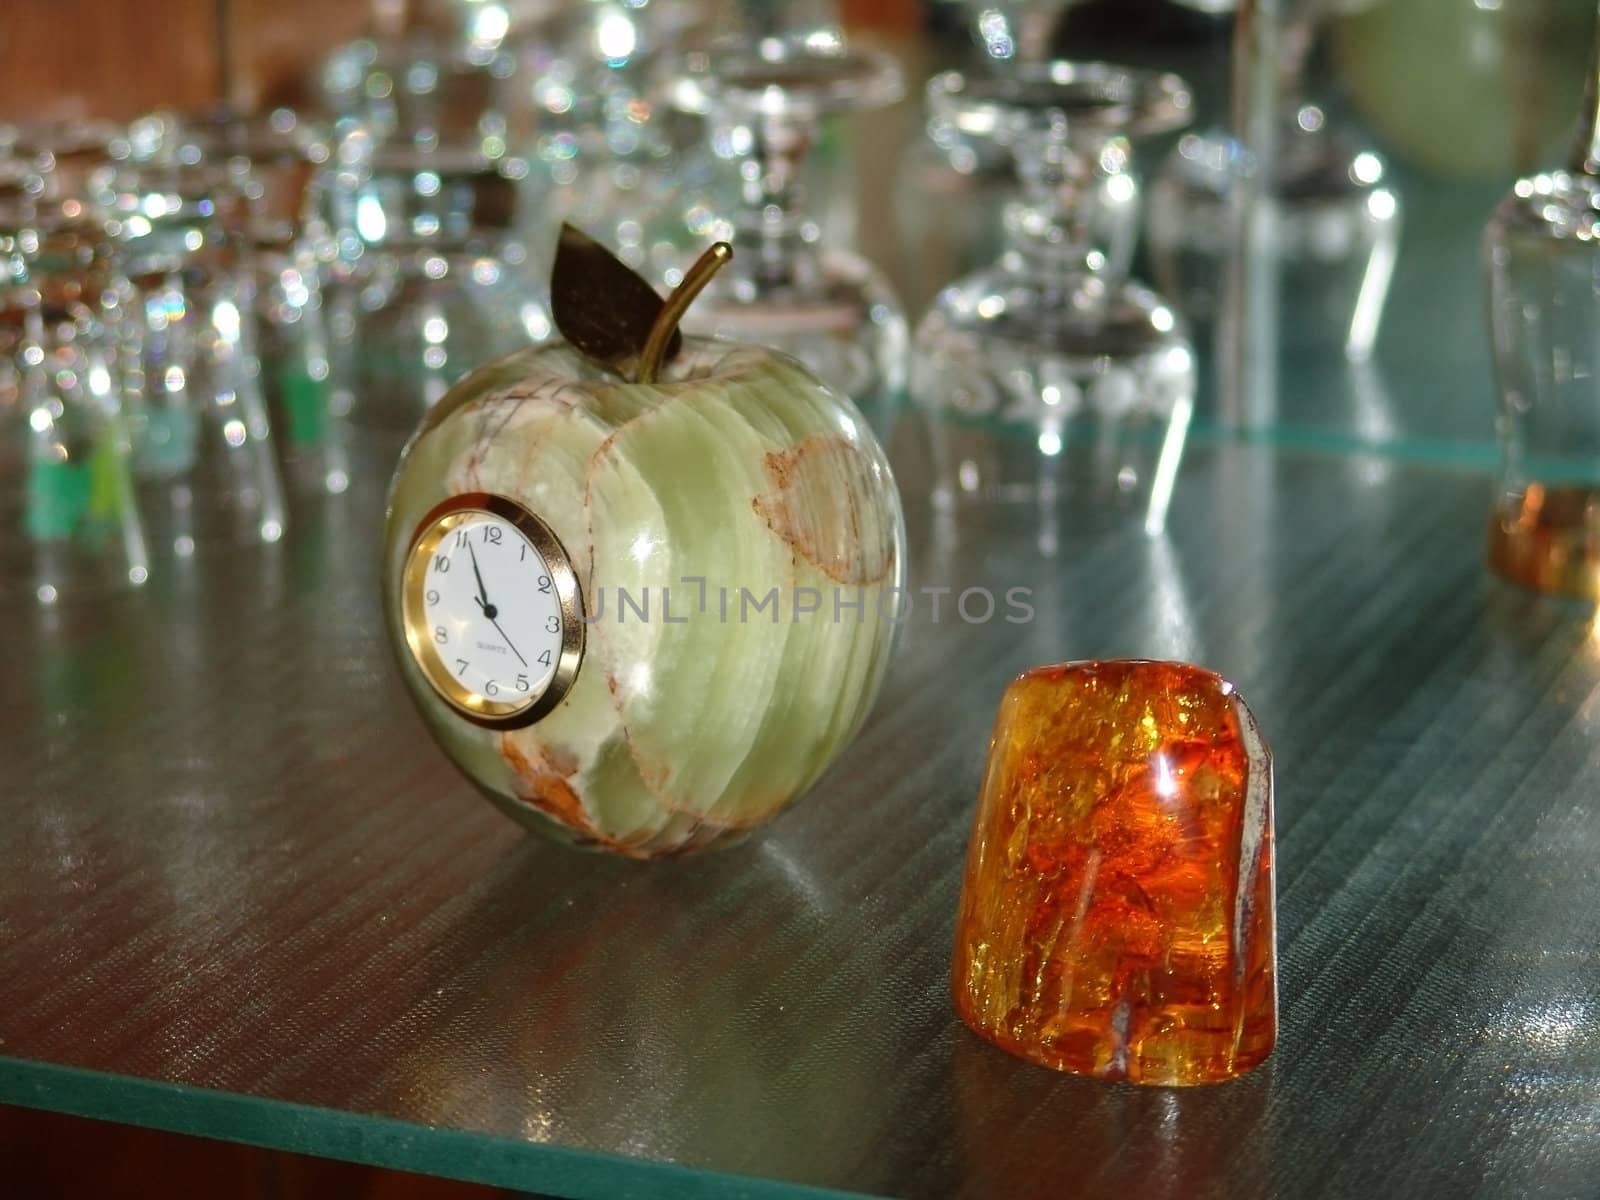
{"points": [[612, 316], [602, 307]]}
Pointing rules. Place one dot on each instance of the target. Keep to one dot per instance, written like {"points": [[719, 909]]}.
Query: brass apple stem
{"points": [[666, 322]]}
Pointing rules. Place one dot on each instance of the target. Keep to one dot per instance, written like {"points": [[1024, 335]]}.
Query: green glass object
{"points": [[305, 405], [166, 441], [58, 499]]}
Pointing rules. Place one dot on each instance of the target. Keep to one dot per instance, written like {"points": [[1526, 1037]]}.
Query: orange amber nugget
{"points": [[1117, 916]]}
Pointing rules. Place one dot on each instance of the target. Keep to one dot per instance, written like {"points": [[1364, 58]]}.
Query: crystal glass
{"points": [[1051, 368], [1542, 251], [602, 152], [1006, 33], [67, 508], [445, 284], [423, 88], [273, 160], [65, 152], [196, 412], [1334, 224], [788, 285]]}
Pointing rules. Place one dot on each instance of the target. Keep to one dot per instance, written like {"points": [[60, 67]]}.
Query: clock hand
{"points": [[502, 633], [483, 593]]}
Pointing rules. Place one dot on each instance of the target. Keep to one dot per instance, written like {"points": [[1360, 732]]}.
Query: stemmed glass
{"points": [[603, 152], [1052, 368], [1542, 253], [444, 283], [69, 518], [1335, 227], [197, 414], [786, 286], [271, 160]]}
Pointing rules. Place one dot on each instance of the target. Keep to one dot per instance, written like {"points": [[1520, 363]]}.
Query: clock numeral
{"points": [[544, 659], [462, 664], [433, 595], [491, 688], [491, 535], [461, 537], [544, 583], [552, 624], [524, 553], [441, 634], [441, 564], [522, 683]]}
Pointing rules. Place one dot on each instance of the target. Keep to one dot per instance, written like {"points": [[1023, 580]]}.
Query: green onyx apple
{"points": [[736, 536]]}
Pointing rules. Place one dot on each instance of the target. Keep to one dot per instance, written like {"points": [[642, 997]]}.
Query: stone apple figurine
{"points": [[642, 587]]}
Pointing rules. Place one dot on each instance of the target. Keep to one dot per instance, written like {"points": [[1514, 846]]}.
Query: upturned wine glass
{"points": [[1335, 213], [790, 285], [1542, 253], [197, 414], [1052, 369], [69, 522]]}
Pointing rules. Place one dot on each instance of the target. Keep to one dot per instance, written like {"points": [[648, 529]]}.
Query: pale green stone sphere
{"points": [[739, 468]]}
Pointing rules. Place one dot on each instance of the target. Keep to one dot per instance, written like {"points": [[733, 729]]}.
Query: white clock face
{"points": [[490, 611]]}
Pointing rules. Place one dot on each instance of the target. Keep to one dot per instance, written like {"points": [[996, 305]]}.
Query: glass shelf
{"points": [[242, 896]]}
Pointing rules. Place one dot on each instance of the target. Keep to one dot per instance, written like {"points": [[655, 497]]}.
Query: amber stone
{"points": [[1117, 914]]}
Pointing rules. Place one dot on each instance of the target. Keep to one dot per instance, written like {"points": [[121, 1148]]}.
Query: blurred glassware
{"points": [[430, 275], [603, 151], [1332, 218], [445, 286], [423, 88], [72, 526], [196, 413], [789, 284], [1005, 33], [951, 183], [274, 159], [1051, 369], [1016, 31], [481, 27], [1542, 251], [64, 152]]}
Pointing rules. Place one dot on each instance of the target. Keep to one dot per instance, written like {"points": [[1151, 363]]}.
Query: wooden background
{"points": [[119, 58]]}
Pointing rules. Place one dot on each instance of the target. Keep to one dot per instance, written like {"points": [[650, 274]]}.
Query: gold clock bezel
{"points": [[425, 540]]}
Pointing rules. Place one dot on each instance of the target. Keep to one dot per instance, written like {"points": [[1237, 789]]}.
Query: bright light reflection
{"points": [[640, 679], [615, 36], [1166, 781], [371, 224], [491, 24], [225, 318]]}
